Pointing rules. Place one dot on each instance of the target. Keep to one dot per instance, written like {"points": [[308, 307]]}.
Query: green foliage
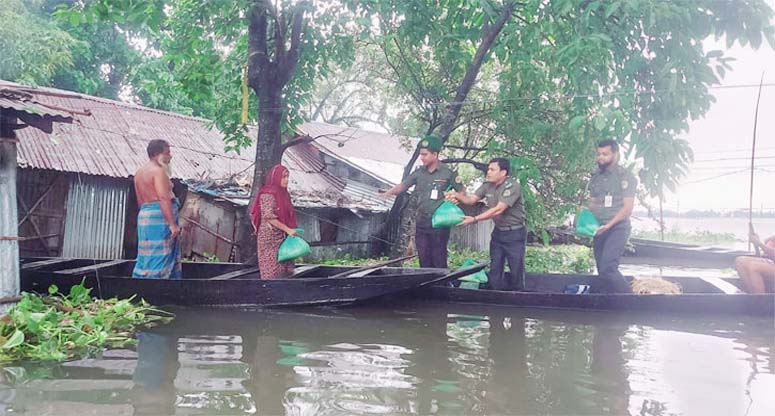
{"points": [[692, 237], [60, 327], [538, 259], [558, 259], [560, 77], [32, 49]]}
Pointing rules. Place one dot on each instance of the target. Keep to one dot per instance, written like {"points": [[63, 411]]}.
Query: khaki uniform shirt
{"points": [[425, 184], [510, 193], [616, 183]]}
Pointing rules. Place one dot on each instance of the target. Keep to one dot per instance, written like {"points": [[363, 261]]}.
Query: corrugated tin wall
{"points": [[96, 214], [474, 236]]}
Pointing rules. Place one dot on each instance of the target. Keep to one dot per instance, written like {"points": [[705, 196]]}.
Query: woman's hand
{"points": [[291, 232]]}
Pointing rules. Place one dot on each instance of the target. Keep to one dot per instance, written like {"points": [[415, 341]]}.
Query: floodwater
{"points": [[737, 226], [416, 359]]}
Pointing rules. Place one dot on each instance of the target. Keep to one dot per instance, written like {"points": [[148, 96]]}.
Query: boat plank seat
{"points": [[236, 273], [720, 284], [42, 263], [93, 267], [302, 271], [364, 273]]}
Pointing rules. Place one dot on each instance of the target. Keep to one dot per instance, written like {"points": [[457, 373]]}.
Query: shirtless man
{"points": [[756, 271], [158, 249]]}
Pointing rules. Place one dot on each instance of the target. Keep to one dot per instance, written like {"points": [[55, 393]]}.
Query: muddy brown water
{"points": [[416, 359]]}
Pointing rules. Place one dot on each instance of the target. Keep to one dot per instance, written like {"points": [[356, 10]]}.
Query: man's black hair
{"points": [[157, 147], [503, 164], [609, 143]]}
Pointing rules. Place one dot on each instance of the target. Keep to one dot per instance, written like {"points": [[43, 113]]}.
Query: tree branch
{"points": [[490, 33], [478, 165], [288, 66]]}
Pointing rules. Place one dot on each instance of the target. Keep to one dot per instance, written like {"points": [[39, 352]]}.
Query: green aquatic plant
{"points": [[60, 327]]}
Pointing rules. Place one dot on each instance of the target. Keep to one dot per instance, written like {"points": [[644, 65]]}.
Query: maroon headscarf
{"points": [[283, 206]]}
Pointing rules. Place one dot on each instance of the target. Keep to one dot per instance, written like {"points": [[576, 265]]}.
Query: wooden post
{"points": [[9, 232]]}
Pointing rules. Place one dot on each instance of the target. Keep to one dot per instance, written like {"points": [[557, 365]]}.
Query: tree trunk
{"points": [[400, 220], [268, 153]]}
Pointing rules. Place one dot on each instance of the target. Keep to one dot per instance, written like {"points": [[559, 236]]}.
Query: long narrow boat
{"points": [[686, 254], [229, 284], [704, 295]]}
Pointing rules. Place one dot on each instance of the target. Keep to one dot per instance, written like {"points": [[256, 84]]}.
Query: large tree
{"points": [[213, 50], [562, 75]]}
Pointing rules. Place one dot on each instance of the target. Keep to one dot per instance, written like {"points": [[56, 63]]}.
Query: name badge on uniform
{"points": [[609, 201], [434, 194]]}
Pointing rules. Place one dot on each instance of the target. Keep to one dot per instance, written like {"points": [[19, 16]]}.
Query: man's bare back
{"points": [[152, 184]]}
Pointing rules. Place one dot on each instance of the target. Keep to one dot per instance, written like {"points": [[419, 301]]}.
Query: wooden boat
{"points": [[230, 284], [703, 295], [684, 254]]}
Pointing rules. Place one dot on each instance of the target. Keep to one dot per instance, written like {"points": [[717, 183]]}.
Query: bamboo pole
{"points": [[753, 159]]}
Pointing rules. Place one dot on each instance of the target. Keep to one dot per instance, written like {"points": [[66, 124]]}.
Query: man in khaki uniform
{"points": [[430, 181], [611, 200], [503, 197]]}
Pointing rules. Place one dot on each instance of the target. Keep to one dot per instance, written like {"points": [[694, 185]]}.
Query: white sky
{"points": [[726, 132]]}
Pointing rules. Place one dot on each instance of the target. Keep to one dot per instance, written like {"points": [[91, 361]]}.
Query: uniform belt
{"points": [[510, 228]]}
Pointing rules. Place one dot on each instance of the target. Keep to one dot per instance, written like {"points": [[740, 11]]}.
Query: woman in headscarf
{"points": [[273, 219]]}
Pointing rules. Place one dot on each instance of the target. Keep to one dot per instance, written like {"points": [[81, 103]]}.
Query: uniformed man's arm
{"points": [[461, 197], [511, 194], [410, 181], [498, 209]]}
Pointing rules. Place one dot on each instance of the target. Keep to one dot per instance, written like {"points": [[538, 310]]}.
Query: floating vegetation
{"points": [[59, 327]]}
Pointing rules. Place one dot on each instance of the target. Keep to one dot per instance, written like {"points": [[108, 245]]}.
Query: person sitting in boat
{"points": [[611, 201], [158, 245], [273, 219], [755, 272]]}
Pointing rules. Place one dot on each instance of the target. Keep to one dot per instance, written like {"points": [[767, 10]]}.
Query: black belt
{"points": [[510, 228]]}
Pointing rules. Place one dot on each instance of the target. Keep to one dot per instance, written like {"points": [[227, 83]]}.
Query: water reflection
{"points": [[421, 360]]}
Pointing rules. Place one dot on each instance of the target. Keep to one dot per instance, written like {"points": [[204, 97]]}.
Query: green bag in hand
{"points": [[447, 215], [586, 223], [293, 247], [478, 277]]}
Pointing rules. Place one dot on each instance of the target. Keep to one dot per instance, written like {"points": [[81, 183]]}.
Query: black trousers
{"points": [[431, 246], [507, 246], [608, 249]]}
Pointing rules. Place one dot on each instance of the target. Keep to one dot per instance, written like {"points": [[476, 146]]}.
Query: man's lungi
{"points": [[158, 254]]}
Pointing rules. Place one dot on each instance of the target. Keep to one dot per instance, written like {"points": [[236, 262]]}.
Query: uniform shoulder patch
{"points": [[508, 184], [507, 192], [625, 184], [458, 179]]}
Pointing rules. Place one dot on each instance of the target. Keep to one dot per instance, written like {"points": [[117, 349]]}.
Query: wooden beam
{"points": [[236, 273], [92, 267], [42, 263], [372, 267], [302, 271], [723, 286], [209, 231], [38, 233], [37, 203]]}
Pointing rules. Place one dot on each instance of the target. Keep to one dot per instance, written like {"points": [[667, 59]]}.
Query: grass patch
{"points": [[538, 259], [690, 237]]}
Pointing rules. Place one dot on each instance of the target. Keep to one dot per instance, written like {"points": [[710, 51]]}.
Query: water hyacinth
{"points": [[60, 327]]}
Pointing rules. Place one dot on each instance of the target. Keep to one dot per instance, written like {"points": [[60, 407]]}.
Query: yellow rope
{"points": [[245, 96]]}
